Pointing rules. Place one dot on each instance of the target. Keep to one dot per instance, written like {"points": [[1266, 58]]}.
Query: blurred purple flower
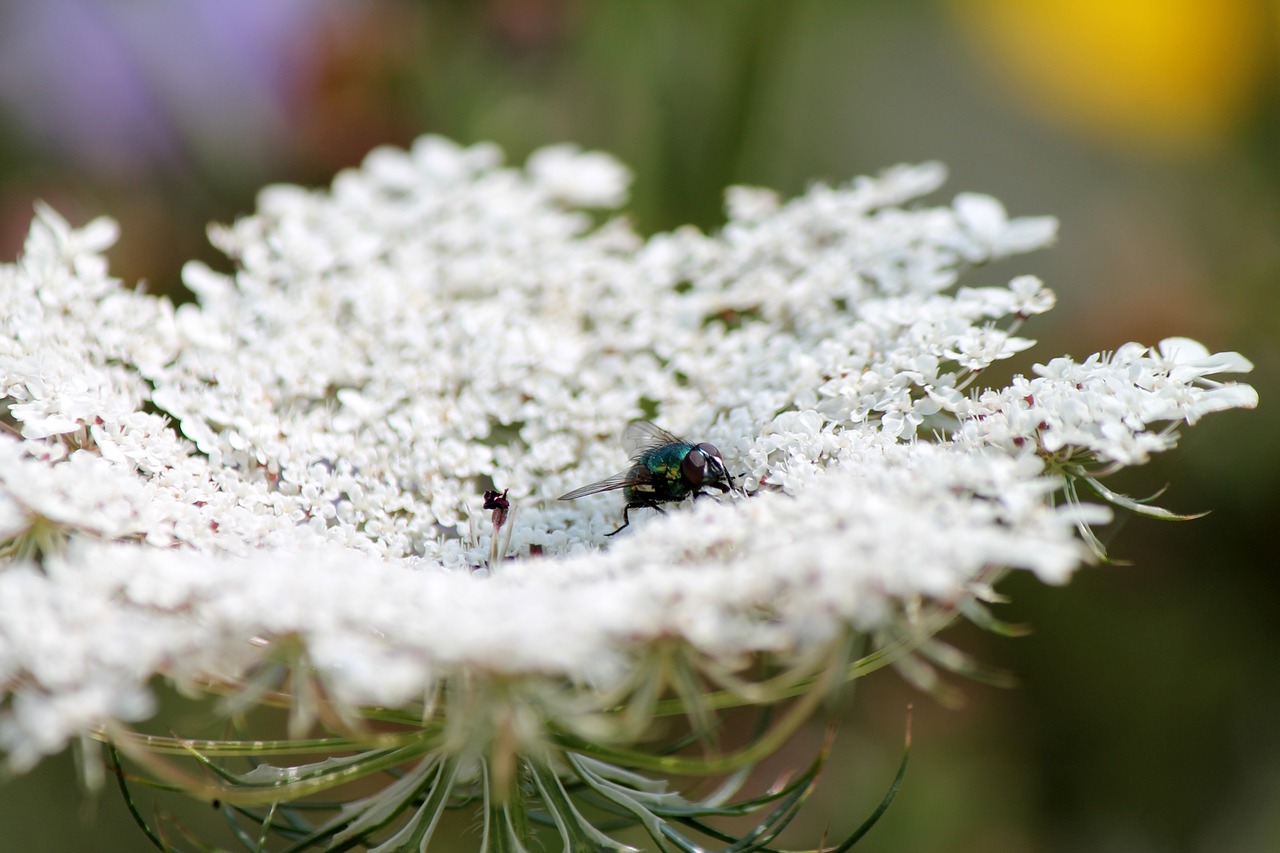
{"points": [[128, 88]]}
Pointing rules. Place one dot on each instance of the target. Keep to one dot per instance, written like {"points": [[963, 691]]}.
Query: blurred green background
{"points": [[1146, 718]]}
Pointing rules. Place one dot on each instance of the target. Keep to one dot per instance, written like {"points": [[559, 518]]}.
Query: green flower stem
{"points": [[166, 745], [245, 792], [772, 740]]}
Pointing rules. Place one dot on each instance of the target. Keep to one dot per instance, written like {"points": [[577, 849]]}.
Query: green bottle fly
{"points": [[664, 469]]}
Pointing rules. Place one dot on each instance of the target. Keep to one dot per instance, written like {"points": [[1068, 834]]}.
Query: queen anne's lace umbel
{"points": [[301, 453]]}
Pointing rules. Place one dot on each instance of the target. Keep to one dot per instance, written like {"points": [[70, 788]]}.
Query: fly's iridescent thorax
{"points": [[666, 480]]}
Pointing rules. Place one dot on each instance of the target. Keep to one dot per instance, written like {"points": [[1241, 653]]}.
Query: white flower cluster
{"points": [[1107, 406], [302, 452]]}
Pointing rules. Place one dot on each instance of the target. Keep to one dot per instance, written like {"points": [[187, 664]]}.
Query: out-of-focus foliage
{"points": [[1148, 75]]}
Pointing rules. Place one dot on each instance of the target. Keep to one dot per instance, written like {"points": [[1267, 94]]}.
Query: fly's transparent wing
{"points": [[640, 436], [608, 484]]}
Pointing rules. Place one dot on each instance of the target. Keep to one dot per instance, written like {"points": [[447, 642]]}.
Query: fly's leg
{"points": [[625, 521], [701, 494]]}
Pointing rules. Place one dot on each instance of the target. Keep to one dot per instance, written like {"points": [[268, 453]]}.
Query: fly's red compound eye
{"points": [[694, 466]]}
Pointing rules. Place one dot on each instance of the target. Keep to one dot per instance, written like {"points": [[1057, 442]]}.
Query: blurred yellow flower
{"points": [[1158, 74]]}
